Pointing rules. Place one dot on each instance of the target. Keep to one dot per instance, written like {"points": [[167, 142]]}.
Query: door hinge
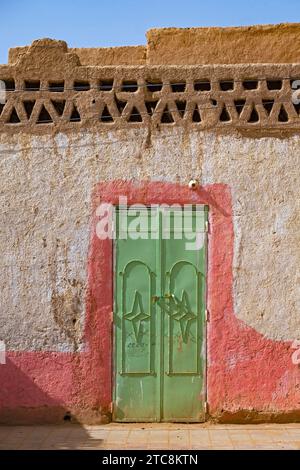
{"points": [[111, 407], [206, 407], [111, 317], [206, 315], [206, 226]]}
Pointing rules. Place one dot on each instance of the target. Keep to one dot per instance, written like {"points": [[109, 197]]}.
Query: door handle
{"points": [[155, 298], [169, 296]]}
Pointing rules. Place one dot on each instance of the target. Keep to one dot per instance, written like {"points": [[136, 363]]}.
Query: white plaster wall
{"points": [[46, 185]]}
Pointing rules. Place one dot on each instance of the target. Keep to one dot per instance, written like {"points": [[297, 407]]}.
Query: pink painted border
{"points": [[246, 372]]}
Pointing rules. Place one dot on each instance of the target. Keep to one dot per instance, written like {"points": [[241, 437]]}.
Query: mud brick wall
{"points": [[77, 125]]}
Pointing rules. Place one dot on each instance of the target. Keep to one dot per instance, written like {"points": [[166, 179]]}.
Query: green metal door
{"points": [[159, 314]]}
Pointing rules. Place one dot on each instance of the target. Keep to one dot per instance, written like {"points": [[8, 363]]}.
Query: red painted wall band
{"points": [[245, 370]]}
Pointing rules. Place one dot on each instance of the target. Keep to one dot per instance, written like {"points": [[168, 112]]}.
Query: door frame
{"points": [[99, 298]]}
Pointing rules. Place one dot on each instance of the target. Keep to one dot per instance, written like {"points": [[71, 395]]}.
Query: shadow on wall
{"points": [[17, 409], [22, 401]]}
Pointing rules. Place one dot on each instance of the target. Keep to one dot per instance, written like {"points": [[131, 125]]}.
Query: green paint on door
{"points": [[159, 315]]}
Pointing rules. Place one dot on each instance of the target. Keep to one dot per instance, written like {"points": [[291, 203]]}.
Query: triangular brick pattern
{"points": [[115, 97]]}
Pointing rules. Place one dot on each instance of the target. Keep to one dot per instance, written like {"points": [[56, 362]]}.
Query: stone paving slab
{"points": [[152, 436]]}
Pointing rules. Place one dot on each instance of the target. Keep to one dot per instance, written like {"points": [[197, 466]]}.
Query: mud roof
{"points": [[195, 46]]}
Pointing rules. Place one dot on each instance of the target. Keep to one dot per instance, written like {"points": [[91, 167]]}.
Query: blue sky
{"points": [[84, 23]]}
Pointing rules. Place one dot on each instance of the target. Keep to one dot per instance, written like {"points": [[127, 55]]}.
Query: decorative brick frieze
{"points": [[48, 89]]}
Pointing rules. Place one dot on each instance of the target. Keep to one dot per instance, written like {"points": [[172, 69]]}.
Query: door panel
{"points": [[184, 365], [159, 306]]}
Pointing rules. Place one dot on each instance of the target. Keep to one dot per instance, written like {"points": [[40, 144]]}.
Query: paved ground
{"points": [[151, 436]]}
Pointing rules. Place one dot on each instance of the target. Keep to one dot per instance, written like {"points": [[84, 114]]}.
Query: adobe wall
{"points": [[238, 45], [241, 143], [261, 44]]}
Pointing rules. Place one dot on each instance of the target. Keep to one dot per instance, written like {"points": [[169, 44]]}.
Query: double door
{"points": [[159, 315]]}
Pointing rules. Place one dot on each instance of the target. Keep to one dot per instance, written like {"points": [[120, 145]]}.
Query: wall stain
{"points": [[67, 308]]}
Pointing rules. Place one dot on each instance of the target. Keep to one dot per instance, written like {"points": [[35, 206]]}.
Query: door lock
{"points": [[169, 296], [155, 298]]}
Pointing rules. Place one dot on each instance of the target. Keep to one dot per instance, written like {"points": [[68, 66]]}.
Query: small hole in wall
{"points": [[106, 85], [202, 85], [154, 85], [14, 118], [67, 416], [75, 116], [250, 84], [56, 86], [166, 117], [32, 85], [129, 86], [9, 84], [213, 102], [196, 115], [224, 116], [28, 105], [44, 116], [106, 116], [150, 106], [120, 105], [283, 116], [226, 85], [135, 115], [178, 87], [81, 85], [74, 321], [181, 105], [274, 84], [253, 116], [59, 106], [239, 105], [268, 105]]}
